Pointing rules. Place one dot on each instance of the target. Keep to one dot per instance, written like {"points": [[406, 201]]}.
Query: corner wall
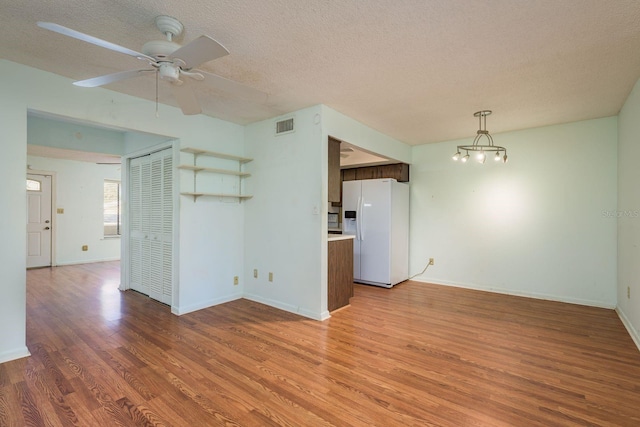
{"points": [[26, 88], [13, 249], [283, 220], [543, 225], [628, 213]]}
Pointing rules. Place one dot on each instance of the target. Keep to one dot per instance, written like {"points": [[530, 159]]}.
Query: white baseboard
{"points": [[86, 261], [179, 311], [627, 324], [569, 300], [287, 307], [7, 356]]}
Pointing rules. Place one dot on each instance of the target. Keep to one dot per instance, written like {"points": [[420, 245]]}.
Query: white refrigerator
{"points": [[376, 212]]}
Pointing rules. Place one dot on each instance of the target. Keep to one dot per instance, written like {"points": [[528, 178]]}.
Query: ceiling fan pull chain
{"points": [[157, 113]]}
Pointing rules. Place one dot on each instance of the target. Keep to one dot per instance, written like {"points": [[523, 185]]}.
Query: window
{"points": [[112, 208], [33, 185]]}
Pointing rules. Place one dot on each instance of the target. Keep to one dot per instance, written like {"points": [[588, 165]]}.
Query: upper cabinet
{"points": [[334, 182], [398, 171]]}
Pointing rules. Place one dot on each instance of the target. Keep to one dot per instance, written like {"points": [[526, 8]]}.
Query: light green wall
{"points": [[535, 226], [72, 136], [13, 121], [347, 129], [79, 191], [26, 89], [628, 212], [284, 220], [538, 226]]}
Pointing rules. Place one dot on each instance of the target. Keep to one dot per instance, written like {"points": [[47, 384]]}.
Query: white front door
{"points": [[38, 220]]}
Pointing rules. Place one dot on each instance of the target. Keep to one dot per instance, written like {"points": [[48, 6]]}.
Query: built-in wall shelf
{"points": [[200, 152], [214, 170], [236, 196], [195, 168]]}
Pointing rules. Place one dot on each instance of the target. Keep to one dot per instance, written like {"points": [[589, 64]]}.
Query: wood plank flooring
{"points": [[414, 355]]}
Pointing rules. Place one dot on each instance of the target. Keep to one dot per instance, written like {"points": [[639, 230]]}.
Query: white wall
{"points": [[286, 220], [25, 88], [283, 235], [73, 136], [79, 191], [347, 129], [136, 141], [13, 121], [536, 226], [629, 213]]}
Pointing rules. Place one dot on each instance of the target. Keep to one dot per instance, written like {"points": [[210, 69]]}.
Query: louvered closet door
{"points": [[151, 224]]}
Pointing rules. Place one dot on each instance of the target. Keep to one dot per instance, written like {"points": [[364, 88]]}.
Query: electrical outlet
{"points": [[270, 276], [235, 280], [628, 292], [431, 261], [85, 247], [255, 273]]}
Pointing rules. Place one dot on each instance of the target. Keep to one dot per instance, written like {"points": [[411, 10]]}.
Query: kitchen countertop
{"points": [[334, 237]]}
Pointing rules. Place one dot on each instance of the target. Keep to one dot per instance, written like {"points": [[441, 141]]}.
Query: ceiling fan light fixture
{"points": [[477, 147], [169, 72]]}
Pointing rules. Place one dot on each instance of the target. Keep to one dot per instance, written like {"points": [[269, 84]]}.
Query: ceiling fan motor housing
{"points": [[159, 49], [169, 71]]}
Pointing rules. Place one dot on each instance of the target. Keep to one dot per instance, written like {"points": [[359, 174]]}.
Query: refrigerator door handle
{"points": [[361, 217], [358, 218]]}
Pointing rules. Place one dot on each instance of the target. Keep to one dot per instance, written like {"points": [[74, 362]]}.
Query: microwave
{"points": [[333, 220]]}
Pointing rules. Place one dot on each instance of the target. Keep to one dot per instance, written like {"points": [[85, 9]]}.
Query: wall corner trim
{"points": [[635, 336], [7, 356], [285, 307], [179, 311]]}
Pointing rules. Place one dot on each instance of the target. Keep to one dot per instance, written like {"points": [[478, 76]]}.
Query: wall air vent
{"points": [[284, 126]]}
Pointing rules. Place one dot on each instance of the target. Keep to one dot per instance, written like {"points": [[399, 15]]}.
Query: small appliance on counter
{"points": [[333, 224]]}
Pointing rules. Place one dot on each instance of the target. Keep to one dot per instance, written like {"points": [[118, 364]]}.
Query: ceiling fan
{"points": [[171, 62]]}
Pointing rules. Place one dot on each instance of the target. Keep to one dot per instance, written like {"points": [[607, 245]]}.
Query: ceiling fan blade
{"points": [[110, 78], [235, 89], [186, 99], [198, 51], [93, 40]]}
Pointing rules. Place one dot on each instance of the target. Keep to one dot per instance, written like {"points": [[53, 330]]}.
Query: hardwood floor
{"points": [[414, 355]]}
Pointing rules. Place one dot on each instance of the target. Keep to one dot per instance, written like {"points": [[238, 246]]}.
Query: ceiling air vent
{"points": [[284, 126]]}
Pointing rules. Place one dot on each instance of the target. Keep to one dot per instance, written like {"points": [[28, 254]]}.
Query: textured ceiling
{"points": [[416, 70]]}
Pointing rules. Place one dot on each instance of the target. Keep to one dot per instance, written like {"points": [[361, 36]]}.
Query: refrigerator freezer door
{"points": [[351, 192], [375, 223]]}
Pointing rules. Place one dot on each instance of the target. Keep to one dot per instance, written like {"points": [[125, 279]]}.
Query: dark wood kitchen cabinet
{"points": [[397, 171], [349, 174], [340, 273], [334, 183]]}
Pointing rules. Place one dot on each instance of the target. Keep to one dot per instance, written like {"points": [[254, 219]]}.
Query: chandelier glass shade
{"points": [[481, 150]]}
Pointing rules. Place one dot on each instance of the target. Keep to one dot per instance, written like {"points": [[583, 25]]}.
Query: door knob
{"points": [[46, 228], [47, 221]]}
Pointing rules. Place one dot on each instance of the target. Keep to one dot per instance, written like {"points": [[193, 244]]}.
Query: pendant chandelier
{"points": [[481, 150]]}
